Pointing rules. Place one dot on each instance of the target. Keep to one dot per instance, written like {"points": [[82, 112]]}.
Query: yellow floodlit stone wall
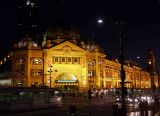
{"points": [[69, 67]]}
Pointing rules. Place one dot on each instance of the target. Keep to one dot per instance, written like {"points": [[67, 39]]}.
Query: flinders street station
{"points": [[63, 60]]}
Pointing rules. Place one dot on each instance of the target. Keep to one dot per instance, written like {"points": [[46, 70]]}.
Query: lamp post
{"points": [[142, 62], [120, 27], [151, 62], [50, 76]]}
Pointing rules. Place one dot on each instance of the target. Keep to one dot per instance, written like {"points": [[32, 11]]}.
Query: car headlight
{"points": [[130, 100], [136, 100], [59, 98]]}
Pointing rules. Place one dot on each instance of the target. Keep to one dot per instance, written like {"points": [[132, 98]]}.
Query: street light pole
{"points": [[120, 26], [50, 77], [151, 61]]}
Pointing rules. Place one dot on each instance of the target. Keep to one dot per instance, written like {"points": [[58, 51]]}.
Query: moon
{"points": [[100, 21]]}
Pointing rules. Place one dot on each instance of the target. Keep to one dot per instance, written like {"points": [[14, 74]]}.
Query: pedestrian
{"points": [[101, 94], [145, 105], [155, 105], [141, 107]]}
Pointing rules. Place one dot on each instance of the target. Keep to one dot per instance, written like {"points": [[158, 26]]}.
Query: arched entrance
{"points": [[67, 82]]}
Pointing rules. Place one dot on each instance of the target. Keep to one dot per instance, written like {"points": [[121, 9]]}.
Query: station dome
{"points": [[62, 31]]}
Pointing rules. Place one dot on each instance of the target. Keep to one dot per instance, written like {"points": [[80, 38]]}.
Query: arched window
{"points": [[20, 65], [36, 68], [91, 69], [90, 64], [36, 61]]}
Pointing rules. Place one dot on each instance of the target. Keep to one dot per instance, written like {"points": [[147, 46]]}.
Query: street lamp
{"points": [[120, 27], [50, 76], [151, 62]]}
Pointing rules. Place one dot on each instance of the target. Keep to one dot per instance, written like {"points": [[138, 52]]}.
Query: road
{"points": [[59, 107]]}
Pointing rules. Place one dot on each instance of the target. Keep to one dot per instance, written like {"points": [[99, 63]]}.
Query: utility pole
{"points": [[120, 27]]}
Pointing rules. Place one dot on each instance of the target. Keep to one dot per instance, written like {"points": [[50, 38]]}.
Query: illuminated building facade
{"points": [[65, 61]]}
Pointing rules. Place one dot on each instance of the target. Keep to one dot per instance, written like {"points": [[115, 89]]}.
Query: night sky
{"points": [[142, 29]]}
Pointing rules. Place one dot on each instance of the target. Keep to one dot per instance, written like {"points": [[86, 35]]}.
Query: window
{"points": [[56, 59], [90, 63], [20, 65], [36, 62], [91, 70], [108, 73], [91, 73], [69, 59], [75, 60], [63, 59], [36, 72]]}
